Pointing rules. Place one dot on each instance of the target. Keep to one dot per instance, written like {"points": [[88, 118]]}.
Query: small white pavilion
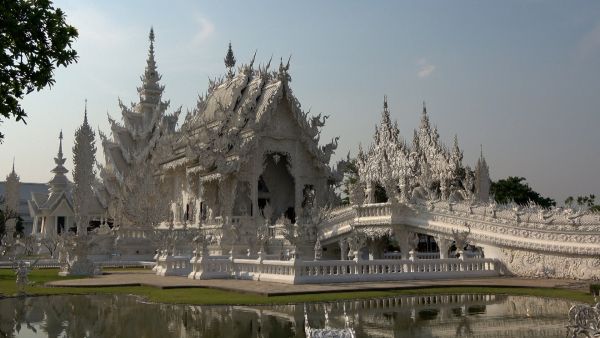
{"points": [[52, 212]]}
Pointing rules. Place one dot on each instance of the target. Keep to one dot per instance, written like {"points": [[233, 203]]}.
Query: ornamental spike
{"points": [[151, 35], [60, 138], [85, 113], [229, 61], [253, 57]]}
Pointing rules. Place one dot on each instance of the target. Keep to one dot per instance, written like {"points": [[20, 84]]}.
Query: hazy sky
{"points": [[520, 77]]}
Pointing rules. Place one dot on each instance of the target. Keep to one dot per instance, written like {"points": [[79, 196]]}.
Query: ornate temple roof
{"points": [[427, 165], [142, 124], [59, 188], [228, 120]]}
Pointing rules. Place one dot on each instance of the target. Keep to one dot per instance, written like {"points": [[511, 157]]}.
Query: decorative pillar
{"points": [[443, 245], [254, 196], [407, 240], [343, 249], [298, 194], [370, 192], [35, 224]]}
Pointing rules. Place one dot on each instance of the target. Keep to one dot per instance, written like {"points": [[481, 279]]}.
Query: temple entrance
{"points": [[276, 187], [60, 224]]}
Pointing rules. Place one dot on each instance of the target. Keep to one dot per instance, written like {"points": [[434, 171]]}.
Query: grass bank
{"points": [[204, 296]]}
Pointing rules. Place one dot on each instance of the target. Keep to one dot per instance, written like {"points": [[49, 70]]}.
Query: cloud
{"points": [[205, 30], [589, 44], [425, 68]]}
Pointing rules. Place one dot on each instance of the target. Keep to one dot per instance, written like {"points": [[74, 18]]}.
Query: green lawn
{"points": [[203, 296]]}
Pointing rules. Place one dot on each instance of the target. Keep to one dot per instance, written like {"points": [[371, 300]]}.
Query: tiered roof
{"points": [[59, 187], [228, 120], [427, 163], [142, 125]]}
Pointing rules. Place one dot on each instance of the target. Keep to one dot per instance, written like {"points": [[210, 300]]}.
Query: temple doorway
{"points": [[276, 187]]}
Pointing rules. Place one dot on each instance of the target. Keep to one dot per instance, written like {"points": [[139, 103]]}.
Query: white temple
{"points": [[245, 176], [53, 212]]}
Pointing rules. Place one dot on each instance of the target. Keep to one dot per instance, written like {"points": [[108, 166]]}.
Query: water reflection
{"points": [[408, 316]]}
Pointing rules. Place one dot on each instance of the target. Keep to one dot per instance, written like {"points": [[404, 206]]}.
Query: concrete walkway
{"points": [[148, 278]]}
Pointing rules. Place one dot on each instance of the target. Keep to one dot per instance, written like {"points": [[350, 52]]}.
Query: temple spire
{"points": [[229, 61], [482, 178], [60, 152], [150, 91], [425, 127], [385, 115], [11, 195], [59, 182], [85, 113]]}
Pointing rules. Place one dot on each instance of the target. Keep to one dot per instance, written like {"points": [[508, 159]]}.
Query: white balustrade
{"points": [[420, 255], [168, 265], [331, 271], [374, 210]]}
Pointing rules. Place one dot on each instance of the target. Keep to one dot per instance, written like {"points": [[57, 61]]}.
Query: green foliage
{"points": [[584, 201], [5, 216], [516, 189], [35, 39]]}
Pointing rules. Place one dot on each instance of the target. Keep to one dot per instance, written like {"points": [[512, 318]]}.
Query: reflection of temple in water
{"points": [[486, 316]]}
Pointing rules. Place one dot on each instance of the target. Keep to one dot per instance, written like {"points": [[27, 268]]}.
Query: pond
{"points": [[403, 316]]}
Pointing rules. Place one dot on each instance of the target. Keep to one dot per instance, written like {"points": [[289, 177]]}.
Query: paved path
{"points": [[148, 278]]}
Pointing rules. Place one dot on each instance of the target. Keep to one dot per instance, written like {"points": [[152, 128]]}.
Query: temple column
{"points": [[406, 240], [254, 212], [35, 224], [343, 249], [444, 245], [298, 195], [370, 192]]}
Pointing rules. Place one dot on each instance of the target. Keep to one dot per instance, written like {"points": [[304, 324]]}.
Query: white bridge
{"points": [[510, 240], [531, 241]]}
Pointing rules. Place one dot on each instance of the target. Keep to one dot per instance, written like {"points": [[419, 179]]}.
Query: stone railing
{"points": [[374, 210], [526, 228], [208, 267], [530, 217], [168, 265], [419, 255], [332, 271], [134, 233], [265, 270], [388, 270]]}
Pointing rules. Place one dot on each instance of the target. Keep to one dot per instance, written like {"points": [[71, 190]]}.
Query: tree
{"points": [[516, 189], [584, 201], [84, 160], [35, 39], [6, 214], [51, 243]]}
